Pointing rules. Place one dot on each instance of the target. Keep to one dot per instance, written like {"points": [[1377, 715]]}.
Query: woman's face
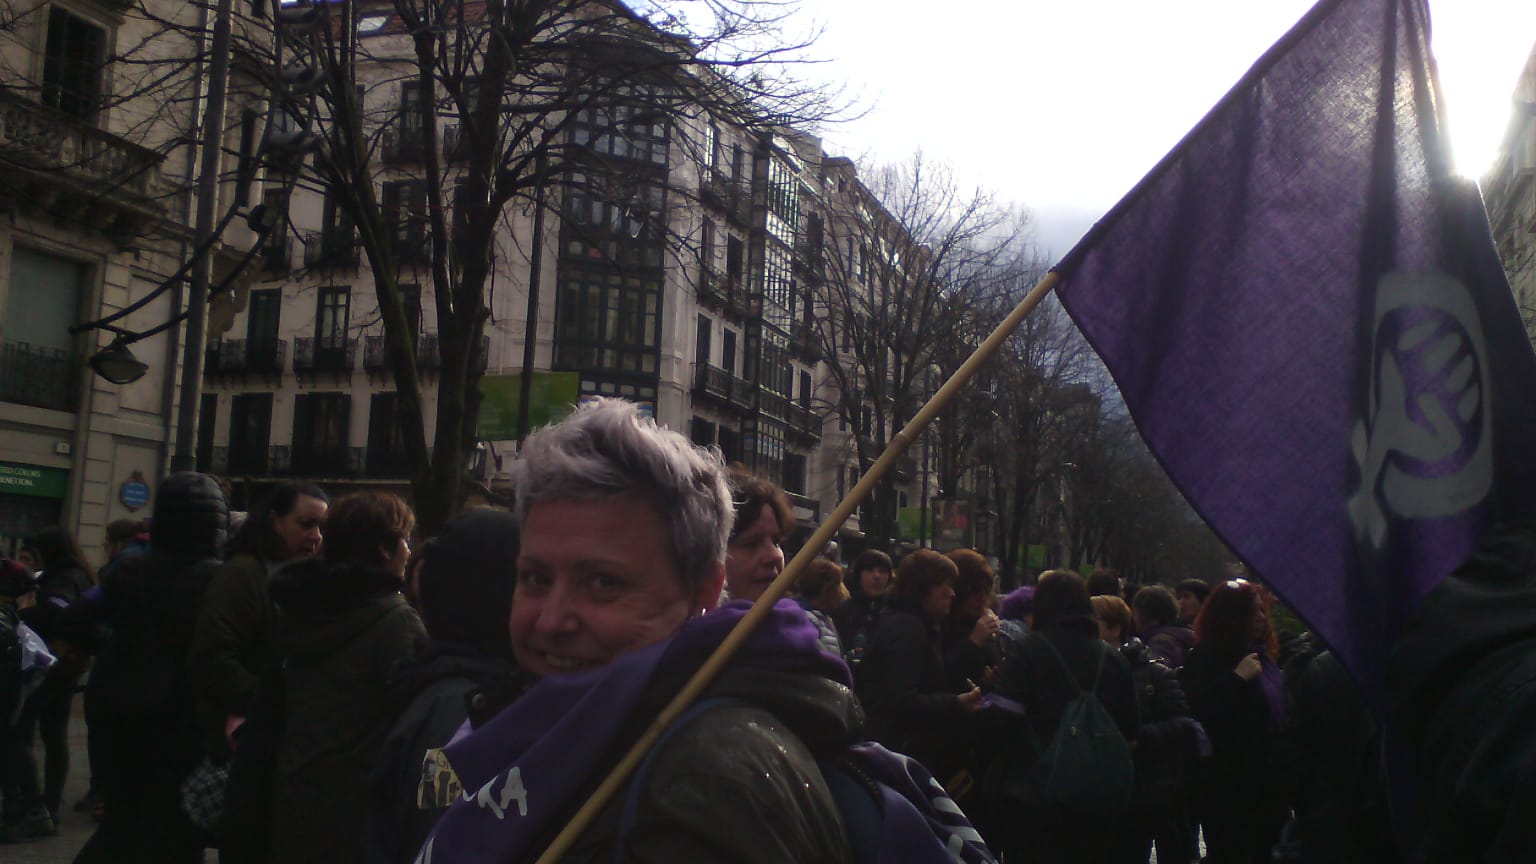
{"points": [[753, 558], [27, 558], [940, 598], [300, 527], [975, 604], [874, 580]]}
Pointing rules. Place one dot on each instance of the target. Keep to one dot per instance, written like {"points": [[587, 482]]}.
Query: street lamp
{"points": [[117, 364]]}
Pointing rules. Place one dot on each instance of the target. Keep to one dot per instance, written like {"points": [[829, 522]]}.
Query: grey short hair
{"points": [[606, 449]]}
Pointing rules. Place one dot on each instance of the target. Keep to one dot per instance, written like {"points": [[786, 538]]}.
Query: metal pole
{"points": [[531, 326], [202, 269]]}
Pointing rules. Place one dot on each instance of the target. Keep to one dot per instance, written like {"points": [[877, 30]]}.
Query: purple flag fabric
{"points": [[522, 769], [1308, 321]]}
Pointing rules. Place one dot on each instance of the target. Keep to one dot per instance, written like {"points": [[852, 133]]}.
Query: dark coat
{"points": [[1238, 801], [856, 619], [1165, 741], [234, 643], [431, 699], [903, 687], [1462, 685], [1035, 679], [342, 630], [143, 704], [965, 663], [766, 803]]}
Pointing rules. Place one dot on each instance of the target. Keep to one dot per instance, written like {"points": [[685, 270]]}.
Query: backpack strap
{"points": [[1067, 670], [631, 812]]}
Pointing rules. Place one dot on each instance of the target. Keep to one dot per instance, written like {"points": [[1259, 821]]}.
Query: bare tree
{"points": [[516, 106], [911, 268]]}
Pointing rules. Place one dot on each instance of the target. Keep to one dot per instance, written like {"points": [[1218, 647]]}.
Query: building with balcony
{"points": [[676, 265], [95, 211]]}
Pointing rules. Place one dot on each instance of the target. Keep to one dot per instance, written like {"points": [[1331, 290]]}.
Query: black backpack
{"points": [[1087, 765]]}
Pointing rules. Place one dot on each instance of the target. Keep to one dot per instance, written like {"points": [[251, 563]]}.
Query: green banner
{"points": [[909, 523], [33, 480], [1036, 558], [552, 397]]}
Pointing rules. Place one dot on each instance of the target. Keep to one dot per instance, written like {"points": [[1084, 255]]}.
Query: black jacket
{"points": [[904, 688], [342, 630], [856, 618], [152, 602], [1462, 690], [1166, 740], [431, 699]]}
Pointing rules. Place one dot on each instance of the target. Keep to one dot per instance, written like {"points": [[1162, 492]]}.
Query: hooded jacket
{"points": [[152, 600], [342, 630], [142, 704]]}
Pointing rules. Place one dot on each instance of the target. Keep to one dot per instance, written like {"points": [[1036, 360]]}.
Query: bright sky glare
{"points": [[1063, 106]]}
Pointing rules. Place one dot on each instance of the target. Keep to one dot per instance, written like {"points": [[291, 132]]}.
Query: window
{"points": [[410, 298], [274, 254], [702, 432], [72, 64], [261, 349], [702, 340], [738, 163], [730, 444], [405, 210], [338, 237], [794, 473], [608, 320], [711, 139], [805, 390], [250, 426], [331, 329], [632, 127], [40, 362], [207, 413], [728, 352], [320, 433], [707, 244], [621, 206], [245, 170], [386, 437], [733, 262], [413, 113]]}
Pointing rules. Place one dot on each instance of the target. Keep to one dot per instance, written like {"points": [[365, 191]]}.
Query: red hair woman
{"points": [[1236, 690]]}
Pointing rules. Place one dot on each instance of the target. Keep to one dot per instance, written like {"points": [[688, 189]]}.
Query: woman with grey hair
{"points": [[624, 542]]}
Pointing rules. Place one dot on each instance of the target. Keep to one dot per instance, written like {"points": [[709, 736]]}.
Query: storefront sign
{"points": [[33, 480]]}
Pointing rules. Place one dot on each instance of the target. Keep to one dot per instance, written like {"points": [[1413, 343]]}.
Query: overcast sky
{"points": [[1062, 106]]}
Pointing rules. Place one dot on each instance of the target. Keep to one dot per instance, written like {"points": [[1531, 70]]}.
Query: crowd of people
{"points": [[312, 688]]}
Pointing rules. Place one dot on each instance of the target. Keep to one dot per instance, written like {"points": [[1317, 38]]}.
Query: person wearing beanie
{"points": [[464, 591]]}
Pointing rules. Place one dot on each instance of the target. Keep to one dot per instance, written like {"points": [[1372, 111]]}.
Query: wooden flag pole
{"points": [[733, 641]]}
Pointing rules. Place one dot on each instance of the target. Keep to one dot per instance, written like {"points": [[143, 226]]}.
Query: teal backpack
{"points": [[1086, 766]]}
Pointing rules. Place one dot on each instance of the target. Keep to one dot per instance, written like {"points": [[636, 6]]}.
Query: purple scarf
{"points": [[520, 770]]}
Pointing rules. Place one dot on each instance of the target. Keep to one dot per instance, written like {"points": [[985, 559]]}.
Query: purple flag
{"points": [[1307, 318]]}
